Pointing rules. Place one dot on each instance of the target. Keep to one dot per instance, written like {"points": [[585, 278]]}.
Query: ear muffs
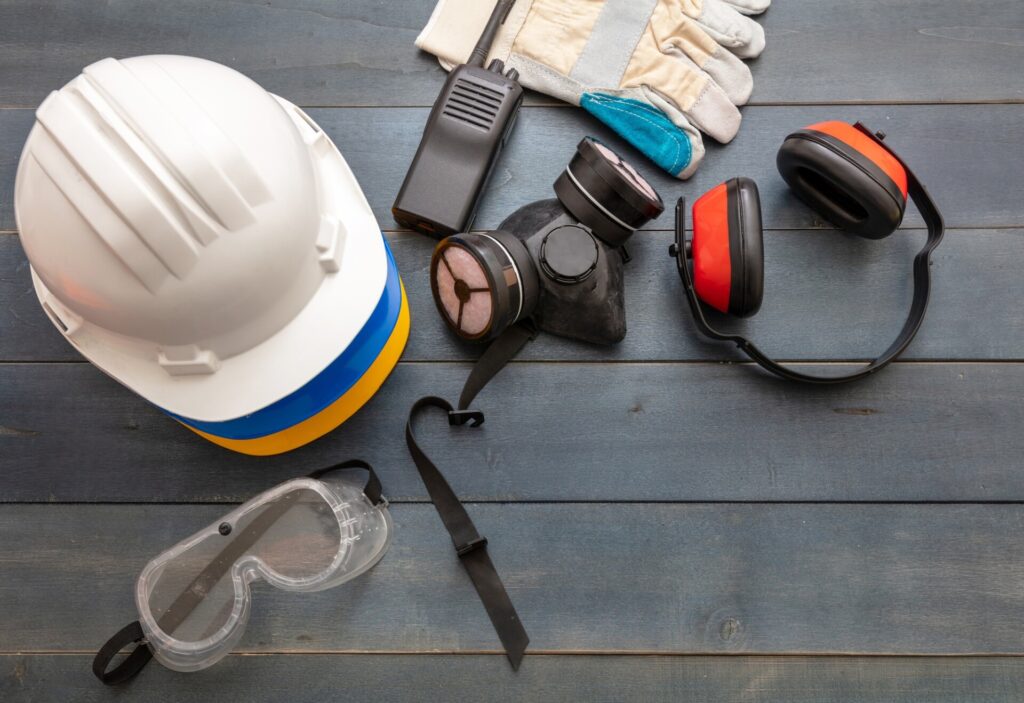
{"points": [[846, 177], [727, 248]]}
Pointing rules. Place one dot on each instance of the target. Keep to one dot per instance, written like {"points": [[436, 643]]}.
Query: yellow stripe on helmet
{"points": [[337, 412]]}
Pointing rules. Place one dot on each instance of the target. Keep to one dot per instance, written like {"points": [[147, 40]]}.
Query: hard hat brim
{"points": [[246, 383], [332, 396]]}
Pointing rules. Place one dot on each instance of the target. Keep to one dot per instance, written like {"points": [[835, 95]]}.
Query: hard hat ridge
{"points": [[189, 232]]}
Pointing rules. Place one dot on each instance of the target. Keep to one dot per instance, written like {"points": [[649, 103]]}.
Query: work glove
{"points": [[658, 72]]}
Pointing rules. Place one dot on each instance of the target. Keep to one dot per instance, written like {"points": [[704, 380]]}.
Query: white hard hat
{"points": [[204, 243]]}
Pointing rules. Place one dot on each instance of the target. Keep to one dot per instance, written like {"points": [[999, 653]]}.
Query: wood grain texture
{"points": [[848, 303], [488, 679], [643, 432], [962, 153], [360, 52], [812, 579], [626, 587]]}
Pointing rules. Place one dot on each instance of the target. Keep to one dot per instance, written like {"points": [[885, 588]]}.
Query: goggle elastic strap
{"points": [[132, 664], [469, 544], [371, 490], [133, 633]]}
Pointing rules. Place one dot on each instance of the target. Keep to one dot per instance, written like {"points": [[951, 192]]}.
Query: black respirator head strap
{"points": [[470, 546], [918, 306], [499, 352]]}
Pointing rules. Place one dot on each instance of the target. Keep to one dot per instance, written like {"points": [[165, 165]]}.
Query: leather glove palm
{"points": [[658, 72]]}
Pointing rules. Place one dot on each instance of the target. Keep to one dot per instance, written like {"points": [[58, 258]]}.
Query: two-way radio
{"points": [[467, 128]]}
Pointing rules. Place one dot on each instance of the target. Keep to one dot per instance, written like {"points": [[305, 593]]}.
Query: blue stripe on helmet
{"points": [[327, 386]]}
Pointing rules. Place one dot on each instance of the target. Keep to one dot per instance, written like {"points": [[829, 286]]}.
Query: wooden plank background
{"points": [[692, 530], [470, 677], [614, 577], [629, 432], [358, 52]]}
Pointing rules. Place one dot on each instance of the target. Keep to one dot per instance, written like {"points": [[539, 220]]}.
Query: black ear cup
{"points": [[607, 194], [483, 283], [846, 178], [746, 247]]}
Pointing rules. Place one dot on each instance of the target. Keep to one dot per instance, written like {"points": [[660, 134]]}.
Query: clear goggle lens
{"points": [[304, 535]]}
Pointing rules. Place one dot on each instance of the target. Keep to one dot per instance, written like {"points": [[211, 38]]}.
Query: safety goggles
{"points": [[305, 535]]}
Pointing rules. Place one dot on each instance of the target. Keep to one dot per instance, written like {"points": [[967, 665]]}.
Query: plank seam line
{"points": [[552, 502], [1009, 361], [916, 228], [568, 653], [547, 105], [718, 362]]}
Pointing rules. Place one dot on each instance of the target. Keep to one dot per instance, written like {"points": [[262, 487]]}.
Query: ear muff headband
{"points": [[918, 306]]}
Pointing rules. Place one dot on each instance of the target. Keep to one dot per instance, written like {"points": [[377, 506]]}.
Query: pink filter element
{"points": [[628, 171], [446, 291], [464, 292]]}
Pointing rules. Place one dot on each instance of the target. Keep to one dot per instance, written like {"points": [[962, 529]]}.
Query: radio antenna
{"points": [[483, 47]]}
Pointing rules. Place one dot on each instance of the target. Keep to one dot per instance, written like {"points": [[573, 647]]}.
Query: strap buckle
{"points": [[458, 418], [470, 547]]}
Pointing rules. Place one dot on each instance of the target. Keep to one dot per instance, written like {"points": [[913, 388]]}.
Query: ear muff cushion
{"points": [[847, 178], [746, 247], [727, 248]]}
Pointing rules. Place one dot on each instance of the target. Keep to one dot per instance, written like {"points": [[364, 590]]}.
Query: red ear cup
{"points": [[727, 248], [846, 177]]}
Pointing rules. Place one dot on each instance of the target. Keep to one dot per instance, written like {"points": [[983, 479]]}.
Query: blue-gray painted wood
{"points": [[635, 577], [313, 678], [710, 579], [962, 153], [639, 432], [360, 52], [849, 302]]}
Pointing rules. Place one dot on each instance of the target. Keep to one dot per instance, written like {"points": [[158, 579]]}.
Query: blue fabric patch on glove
{"points": [[645, 127]]}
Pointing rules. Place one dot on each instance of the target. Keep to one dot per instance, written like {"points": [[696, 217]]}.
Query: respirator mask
{"points": [[554, 266], [557, 263]]}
